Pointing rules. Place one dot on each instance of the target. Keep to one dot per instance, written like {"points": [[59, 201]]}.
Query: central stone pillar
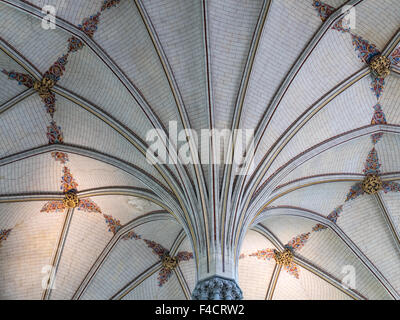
{"points": [[217, 276], [217, 288]]}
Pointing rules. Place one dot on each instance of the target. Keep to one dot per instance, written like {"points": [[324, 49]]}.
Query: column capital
{"points": [[217, 288]]}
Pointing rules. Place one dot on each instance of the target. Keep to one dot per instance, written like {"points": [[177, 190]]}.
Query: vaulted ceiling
{"points": [[120, 68]]}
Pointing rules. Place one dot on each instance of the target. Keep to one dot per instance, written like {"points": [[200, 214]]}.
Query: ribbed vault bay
{"points": [[85, 215]]}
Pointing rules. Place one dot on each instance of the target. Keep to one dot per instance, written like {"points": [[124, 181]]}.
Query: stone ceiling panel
{"points": [[348, 157], [73, 11], [188, 268], [81, 128], [23, 127], [130, 258], [329, 253], [88, 234], [27, 255], [149, 290], [32, 38], [9, 89], [254, 274], [182, 38], [351, 110], [125, 208], [308, 287], [280, 46], [370, 24], [314, 197], [363, 222], [331, 62], [231, 27]]}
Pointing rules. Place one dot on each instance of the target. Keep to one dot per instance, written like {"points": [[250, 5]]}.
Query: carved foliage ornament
{"points": [[372, 184], [217, 288], [4, 234], [380, 66], [43, 87], [169, 263], [284, 258], [71, 200]]}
